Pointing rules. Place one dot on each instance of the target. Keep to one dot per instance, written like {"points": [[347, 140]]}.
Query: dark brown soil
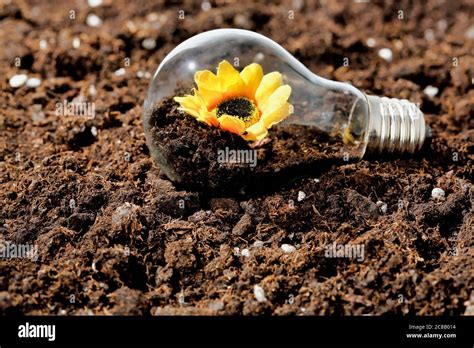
{"points": [[193, 155], [116, 237]]}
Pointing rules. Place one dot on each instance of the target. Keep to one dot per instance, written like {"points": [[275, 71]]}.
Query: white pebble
{"points": [[206, 6], [93, 21], [259, 57], [72, 203], [236, 251], [123, 213], [18, 80], [43, 44], [149, 43], [94, 131], [33, 82], [245, 252], [297, 4], [259, 293], [152, 17], [317, 181], [430, 91], [301, 196], [143, 74], [382, 206], [287, 248], [437, 193], [386, 53], [442, 24], [76, 42], [429, 35], [120, 72], [258, 244], [370, 42], [470, 33], [92, 91], [94, 3]]}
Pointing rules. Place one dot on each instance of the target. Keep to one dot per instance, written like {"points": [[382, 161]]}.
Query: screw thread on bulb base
{"points": [[395, 125]]}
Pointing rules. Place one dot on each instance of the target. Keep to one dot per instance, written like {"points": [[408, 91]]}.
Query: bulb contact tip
{"points": [[395, 125]]}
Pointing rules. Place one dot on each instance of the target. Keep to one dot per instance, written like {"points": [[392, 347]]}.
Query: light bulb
{"points": [[363, 123]]}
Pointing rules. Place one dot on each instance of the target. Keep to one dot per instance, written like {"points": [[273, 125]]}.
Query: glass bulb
{"points": [[363, 123]]}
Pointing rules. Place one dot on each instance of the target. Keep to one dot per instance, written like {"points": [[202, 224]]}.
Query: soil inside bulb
{"points": [[198, 156]]}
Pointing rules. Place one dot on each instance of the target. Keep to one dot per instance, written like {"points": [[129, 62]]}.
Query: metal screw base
{"points": [[395, 125]]}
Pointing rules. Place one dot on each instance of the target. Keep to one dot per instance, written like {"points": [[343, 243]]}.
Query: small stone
{"points": [[429, 35], [94, 3], [72, 203], [386, 54], [33, 82], [18, 80], [37, 114], [76, 43], [430, 91], [258, 244], [442, 24], [143, 74], [317, 181], [259, 57], [371, 42], [149, 43], [301, 196], [470, 33], [382, 206], [287, 248], [298, 4], [236, 251], [92, 91], [398, 44], [198, 216], [245, 252], [206, 6], [93, 21], [216, 306], [94, 131], [43, 44], [437, 193], [120, 72], [259, 293], [123, 213], [152, 17], [241, 20]]}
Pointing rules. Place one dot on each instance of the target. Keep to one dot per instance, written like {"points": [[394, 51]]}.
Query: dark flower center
{"points": [[239, 107]]}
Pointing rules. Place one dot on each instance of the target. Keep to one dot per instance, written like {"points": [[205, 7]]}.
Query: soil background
{"points": [[116, 237]]}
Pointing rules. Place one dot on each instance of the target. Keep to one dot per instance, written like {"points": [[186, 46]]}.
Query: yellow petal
{"points": [[208, 117], [188, 102], [206, 79], [252, 76], [209, 87], [260, 129], [232, 124], [277, 99], [230, 80], [270, 82], [190, 112], [276, 115], [258, 133]]}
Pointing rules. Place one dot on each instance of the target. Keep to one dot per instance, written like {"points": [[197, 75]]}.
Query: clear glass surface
{"points": [[338, 109]]}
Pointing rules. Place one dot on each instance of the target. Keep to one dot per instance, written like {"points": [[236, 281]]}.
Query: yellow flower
{"points": [[246, 103]]}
